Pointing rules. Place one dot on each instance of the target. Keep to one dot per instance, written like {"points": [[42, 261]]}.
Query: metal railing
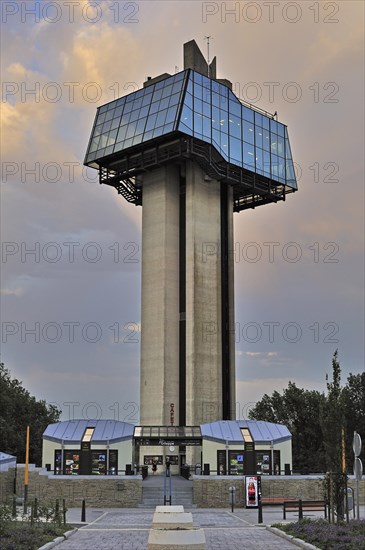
{"points": [[167, 487]]}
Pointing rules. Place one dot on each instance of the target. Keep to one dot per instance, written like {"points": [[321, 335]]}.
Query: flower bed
{"points": [[22, 536], [326, 536], [29, 533]]}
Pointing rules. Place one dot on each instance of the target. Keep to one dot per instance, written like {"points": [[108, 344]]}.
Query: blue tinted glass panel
{"points": [[134, 115], [115, 123], [235, 149], [258, 136], [198, 105], [280, 148], [101, 118], [274, 143], [185, 129], [259, 161], [207, 128], [267, 164], [274, 166], [174, 100], [146, 100], [249, 156], [206, 109], [248, 132], [216, 138], [198, 123], [235, 108], [281, 169], [247, 114], [164, 103], [187, 117], [171, 115], [154, 107], [266, 140], [235, 126]]}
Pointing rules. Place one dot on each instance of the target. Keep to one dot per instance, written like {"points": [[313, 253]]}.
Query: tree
{"points": [[333, 425], [353, 396], [332, 419], [17, 410], [299, 410]]}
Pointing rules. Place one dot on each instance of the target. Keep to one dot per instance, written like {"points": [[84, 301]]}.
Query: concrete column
{"points": [[160, 297], [232, 342], [203, 298]]}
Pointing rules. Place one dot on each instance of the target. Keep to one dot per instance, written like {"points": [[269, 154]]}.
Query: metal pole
{"points": [[260, 512], [26, 473], [347, 502], [107, 457], [357, 500], [83, 512], [272, 458], [227, 465]]}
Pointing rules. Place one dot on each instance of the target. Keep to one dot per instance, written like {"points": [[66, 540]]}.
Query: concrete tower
{"points": [[192, 153]]}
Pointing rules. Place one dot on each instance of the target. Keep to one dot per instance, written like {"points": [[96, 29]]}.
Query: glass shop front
{"points": [[86, 462]]}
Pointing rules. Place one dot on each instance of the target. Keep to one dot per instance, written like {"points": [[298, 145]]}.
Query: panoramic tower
{"points": [[192, 153]]}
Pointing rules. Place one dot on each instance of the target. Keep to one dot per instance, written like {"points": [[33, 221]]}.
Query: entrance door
{"points": [[221, 462]]}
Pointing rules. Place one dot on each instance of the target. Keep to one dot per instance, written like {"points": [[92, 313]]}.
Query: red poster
{"points": [[252, 494]]}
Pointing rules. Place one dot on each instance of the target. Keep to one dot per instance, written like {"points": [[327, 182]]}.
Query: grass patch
{"points": [[328, 536]]}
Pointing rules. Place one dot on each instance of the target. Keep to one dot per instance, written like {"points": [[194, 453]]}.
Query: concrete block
{"points": [[179, 520], [176, 540], [169, 509]]}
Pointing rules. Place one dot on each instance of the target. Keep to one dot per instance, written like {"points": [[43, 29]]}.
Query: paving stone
{"points": [[129, 530]]}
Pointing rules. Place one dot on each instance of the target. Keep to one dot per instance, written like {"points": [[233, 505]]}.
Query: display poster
{"points": [[252, 488]]}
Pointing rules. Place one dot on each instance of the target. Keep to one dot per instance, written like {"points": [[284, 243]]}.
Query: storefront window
{"points": [[235, 463], [72, 462], [95, 462], [263, 462], [98, 462]]}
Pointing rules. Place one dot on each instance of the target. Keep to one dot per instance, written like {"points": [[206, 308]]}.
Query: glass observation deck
{"points": [[191, 116]]}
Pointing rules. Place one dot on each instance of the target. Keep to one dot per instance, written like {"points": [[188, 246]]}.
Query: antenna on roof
{"points": [[207, 38]]}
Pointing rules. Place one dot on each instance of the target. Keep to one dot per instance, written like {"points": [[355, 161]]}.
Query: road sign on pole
{"points": [[358, 468], [356, 444]]}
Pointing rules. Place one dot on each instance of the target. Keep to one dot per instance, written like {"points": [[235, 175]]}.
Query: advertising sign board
{"points": [[253, 491]]}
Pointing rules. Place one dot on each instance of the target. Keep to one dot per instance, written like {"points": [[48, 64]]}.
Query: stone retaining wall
{"points": [[103, 491], [126, 492], [213, 491]]}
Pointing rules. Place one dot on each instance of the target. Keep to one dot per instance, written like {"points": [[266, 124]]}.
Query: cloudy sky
{"points": [[71, 271]]}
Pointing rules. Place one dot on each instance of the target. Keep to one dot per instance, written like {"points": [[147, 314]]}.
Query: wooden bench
{"points": [[304, 505], [275, 501]]}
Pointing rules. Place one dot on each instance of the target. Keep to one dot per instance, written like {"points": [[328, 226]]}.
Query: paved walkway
{"points": [[128, 529]]}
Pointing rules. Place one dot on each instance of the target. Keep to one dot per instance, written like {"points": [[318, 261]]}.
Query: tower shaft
{"points": [[187, 352]]}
